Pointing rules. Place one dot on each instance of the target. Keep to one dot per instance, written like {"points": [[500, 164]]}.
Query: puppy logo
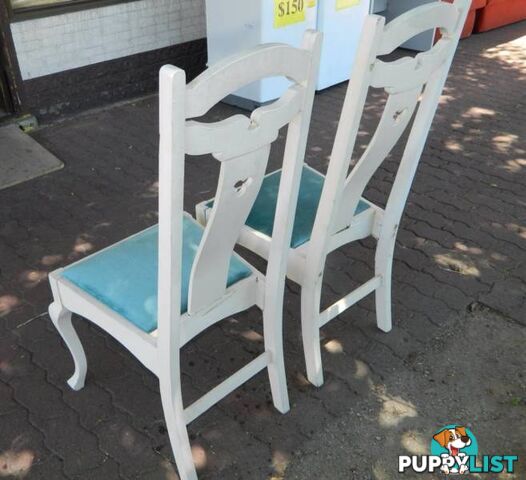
{"points": [[454, 442]]}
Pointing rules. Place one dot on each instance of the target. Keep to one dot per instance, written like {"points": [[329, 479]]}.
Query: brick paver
{"points": [[456, 353]]}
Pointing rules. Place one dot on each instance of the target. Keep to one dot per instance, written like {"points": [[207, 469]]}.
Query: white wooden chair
{"points": [[156, 290], [331, 210]]}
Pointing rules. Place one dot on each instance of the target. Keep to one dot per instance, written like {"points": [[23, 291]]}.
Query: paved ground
{"points": [[456, 353], [23, 158]]}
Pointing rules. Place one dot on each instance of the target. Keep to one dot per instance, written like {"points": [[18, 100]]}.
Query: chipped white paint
{"points": [[242, 171], [413, 85]]}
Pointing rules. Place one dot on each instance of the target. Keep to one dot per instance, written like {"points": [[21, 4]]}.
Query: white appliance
{"points": [[341, 22], [236, 25], [421, 42], [378, 6]]}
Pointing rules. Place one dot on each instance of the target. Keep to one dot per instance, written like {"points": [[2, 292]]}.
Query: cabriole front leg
{"points": [[61, 318]]}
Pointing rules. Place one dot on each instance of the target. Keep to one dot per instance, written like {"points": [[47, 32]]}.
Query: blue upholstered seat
{"points": [[261, 217], [124, 276]]}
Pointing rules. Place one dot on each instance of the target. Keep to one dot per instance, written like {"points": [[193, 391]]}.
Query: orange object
{"points": [[470, 20], [470, 23], [498, 13]]}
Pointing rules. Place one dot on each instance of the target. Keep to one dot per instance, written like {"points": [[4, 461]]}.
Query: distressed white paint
{"points": [[62, 42], [413, 85], [242, 171]]}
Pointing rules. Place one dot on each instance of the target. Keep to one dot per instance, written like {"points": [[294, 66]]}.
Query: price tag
{"points": [[288, 12], [342, 4]]}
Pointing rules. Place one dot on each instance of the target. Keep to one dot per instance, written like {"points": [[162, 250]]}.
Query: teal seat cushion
{"points": [[124, 276], [261, 217]]}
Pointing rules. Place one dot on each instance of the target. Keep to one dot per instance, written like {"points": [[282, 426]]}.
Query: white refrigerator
{"points": [[341, 22], [394, 8], [236, 25]]}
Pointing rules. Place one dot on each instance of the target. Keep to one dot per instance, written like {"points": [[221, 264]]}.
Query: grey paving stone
{"points": [[23, 158], [108, 470], [50, 467], [76, 446], [21, 445], [130, 448]]}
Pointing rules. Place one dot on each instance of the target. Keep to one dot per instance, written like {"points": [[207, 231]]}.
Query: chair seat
{"points": [[261, 217], [124, 276]]}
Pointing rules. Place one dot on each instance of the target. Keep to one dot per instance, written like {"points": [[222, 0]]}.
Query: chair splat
{"points": [[242, 145], [239, 182], [397, 115]]}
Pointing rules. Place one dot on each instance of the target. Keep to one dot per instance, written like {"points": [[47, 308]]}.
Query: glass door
{"points": [[5, 97]]}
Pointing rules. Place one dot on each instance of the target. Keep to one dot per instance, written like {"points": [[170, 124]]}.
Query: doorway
{"points": [[10, 80], [6, 105]]}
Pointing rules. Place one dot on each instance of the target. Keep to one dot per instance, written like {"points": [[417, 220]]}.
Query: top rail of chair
{"points": [[237, 71], [445, 16]]}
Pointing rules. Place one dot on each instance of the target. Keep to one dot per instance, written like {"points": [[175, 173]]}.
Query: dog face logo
{"points": [[454, 439]]}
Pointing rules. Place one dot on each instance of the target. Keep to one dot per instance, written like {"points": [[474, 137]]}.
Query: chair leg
{"points": [[176, 426], [310, 331], [273, 334], [61, 318], [383, 268]]}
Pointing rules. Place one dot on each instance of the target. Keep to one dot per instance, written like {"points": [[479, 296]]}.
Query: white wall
{"points": [[62, 42]]}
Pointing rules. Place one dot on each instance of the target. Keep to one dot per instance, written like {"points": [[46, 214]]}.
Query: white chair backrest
{"points": [[412, 84], [241, 144]]}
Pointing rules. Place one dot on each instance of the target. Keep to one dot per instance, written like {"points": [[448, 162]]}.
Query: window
{"points": [[25, 9], [18, 4]]}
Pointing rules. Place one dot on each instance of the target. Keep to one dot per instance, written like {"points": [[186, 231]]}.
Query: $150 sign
{"points": [[288, 12]]}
